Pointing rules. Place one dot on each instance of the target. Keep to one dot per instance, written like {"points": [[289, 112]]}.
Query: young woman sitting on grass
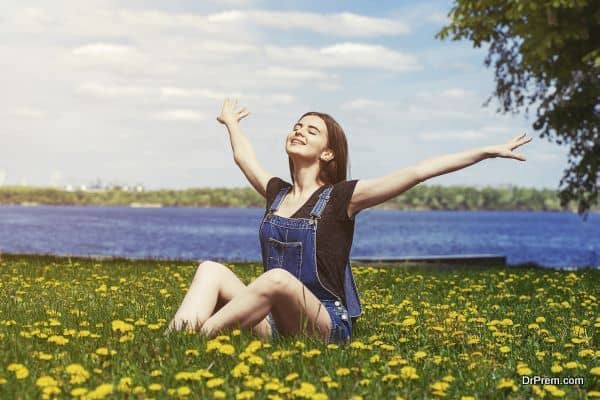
{"points": [[306, 235]]}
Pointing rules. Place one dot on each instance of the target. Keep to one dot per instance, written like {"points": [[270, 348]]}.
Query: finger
{"points": [[518, 156], [521, 143], [244, 114], [242, 110]]}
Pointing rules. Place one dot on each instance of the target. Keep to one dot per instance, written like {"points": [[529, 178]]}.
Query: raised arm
{"points": [[243, 153], [370, 192]]}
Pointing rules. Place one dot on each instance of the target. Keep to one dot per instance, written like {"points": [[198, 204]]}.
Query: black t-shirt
{"points": [[335, 230]]}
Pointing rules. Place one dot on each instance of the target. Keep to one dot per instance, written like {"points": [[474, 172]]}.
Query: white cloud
{"points": [[182, 115], [28, 113], [168, 92], [361, 104], [345, 55], [340, 24], [111, 91], [453, 135], [104, 50]]}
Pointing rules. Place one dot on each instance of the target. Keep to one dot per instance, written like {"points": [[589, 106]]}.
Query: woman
{"points": [[306, 288]]}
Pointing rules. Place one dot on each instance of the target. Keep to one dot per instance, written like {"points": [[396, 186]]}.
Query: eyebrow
{"points": [[310, 126]]}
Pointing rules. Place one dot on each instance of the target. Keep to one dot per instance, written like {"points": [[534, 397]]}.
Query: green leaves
{"points": [[540, 47]]}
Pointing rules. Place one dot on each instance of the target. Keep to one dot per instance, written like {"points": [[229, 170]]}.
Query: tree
{"points": [[546, 54]]}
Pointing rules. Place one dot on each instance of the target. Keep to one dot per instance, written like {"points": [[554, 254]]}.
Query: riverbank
{"points": [[74, 325], [421, 197]]}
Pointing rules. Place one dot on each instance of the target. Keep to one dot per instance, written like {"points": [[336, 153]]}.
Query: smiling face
{"points": [[309, 139]]}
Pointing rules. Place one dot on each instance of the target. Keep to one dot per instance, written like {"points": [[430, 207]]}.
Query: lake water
{"points": [[551, 239]]}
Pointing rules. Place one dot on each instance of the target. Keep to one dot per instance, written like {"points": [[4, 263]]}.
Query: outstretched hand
{"points": [[506, 150], [228, 113]]}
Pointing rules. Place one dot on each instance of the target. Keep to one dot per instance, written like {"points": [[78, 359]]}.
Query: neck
{"points": [[306, 178]]}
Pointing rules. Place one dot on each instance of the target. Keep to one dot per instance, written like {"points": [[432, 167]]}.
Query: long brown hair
{"points": [[332, 171]]}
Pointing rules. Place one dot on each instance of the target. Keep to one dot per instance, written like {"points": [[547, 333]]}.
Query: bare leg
{"points": [[213, 285], [294, 307]]}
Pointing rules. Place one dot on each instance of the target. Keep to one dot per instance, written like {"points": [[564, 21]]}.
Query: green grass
{"points": [[425, 333]]}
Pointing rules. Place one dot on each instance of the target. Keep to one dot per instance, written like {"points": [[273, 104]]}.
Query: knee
{"points": [[208, 267], [275, 281]]}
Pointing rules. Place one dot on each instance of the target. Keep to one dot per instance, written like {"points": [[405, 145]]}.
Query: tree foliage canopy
{"points": [[546, 55]]}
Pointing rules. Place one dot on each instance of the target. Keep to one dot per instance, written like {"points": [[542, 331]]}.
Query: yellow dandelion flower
{"points": [[504, 349], [291, 377], [21, 371], [155, 387], [212, 383], [595, 371], [101, 391], [506, 383], [156, 372], [554, 391], [556, 368], [124, 384], [342, 371], [78, 392], [183, 391], [408, 372], [246, 394], [58, 339], [78, 373], [227, 349], [46, 380], [419, 355]]}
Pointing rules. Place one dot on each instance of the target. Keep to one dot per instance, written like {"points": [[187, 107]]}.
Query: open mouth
{"points": [[297, 141]]}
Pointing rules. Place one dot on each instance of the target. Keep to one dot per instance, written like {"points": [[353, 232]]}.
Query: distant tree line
{"points": [[421, 197]]}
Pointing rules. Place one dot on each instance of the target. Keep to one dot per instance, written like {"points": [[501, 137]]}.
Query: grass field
{"points": [[83, 328]]}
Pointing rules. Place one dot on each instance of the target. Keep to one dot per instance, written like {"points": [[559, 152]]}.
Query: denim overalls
{"points": [[290, 243]]}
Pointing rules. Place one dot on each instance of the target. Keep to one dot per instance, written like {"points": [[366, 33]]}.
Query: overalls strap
{"points": [[279, 198], [321, 203]]}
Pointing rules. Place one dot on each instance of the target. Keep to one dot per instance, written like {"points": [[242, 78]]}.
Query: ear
{"points": [[327, 155]]}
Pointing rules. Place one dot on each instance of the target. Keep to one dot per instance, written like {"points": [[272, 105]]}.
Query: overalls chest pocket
{"points": [[286, 255]]}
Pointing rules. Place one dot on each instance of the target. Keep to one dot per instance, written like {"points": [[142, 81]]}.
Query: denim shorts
{"points": [[341, 325]]}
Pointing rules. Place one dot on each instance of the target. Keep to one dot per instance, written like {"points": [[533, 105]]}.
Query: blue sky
{"points": [[129, 92]]}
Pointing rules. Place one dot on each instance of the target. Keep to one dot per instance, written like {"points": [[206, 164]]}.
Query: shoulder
{"points": [[342, 194], [344, 189], [274, 185]]}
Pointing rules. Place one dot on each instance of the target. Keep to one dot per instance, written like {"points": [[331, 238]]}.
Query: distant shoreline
{"points": [[421, 197]]}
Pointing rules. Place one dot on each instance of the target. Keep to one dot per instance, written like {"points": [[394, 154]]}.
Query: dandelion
{"points": [[227, 349], [247, 394], [506, 383], [212, 383], [21, 371], [595, 371], [504, 349], [554, 391], [58, 339], [183, 391], [291, 377], [419, 355], [78, 373], [44, 381], [342, 371], [78, 392], [155, 387]]}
